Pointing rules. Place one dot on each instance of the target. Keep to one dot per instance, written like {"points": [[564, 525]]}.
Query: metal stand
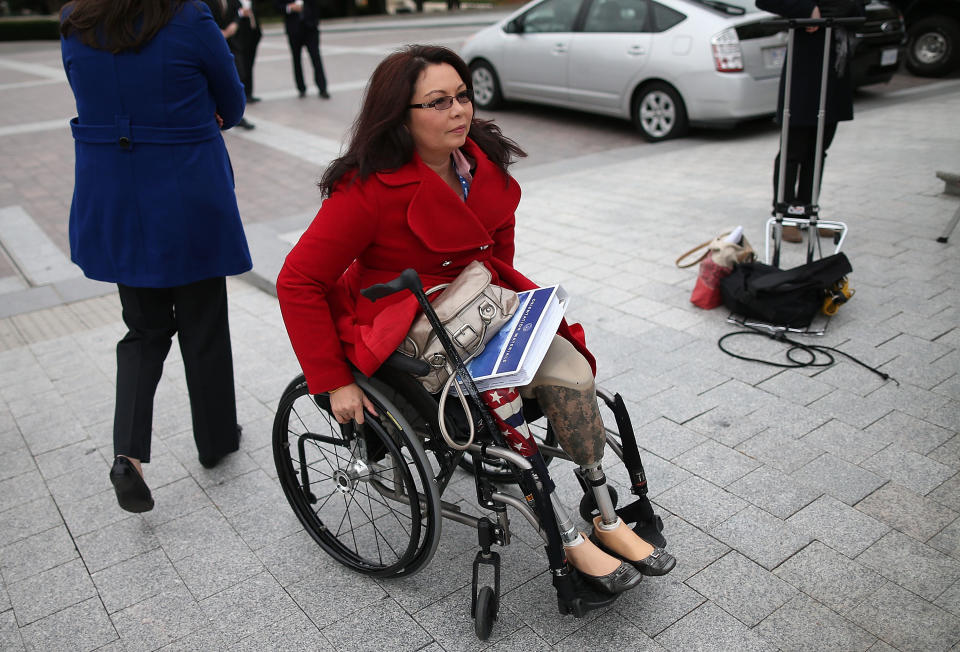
{"points": [[950, 227]]}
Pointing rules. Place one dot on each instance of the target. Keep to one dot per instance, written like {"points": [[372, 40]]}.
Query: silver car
{"points": [[663, 64]]}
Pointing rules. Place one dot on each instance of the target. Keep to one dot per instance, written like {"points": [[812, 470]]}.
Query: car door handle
{"points": [[636, 50], [560, 48]]}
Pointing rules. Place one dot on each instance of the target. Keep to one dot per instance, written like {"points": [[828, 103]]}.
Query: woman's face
{"points": [[436, 134]]}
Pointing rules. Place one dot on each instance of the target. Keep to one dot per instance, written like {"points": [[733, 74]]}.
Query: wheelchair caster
{"points": [[486, 612], [588, 504]]}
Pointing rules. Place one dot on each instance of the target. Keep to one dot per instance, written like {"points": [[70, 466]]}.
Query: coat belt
{"points": [[125, 135]]}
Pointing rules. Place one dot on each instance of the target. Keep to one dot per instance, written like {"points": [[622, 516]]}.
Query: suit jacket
{"points": [[248, 34], [807, 66], [309, 16], [153, 201], [368, 232]]}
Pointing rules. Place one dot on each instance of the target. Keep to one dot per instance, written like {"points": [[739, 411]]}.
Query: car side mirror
{"points": [[515, 26]]}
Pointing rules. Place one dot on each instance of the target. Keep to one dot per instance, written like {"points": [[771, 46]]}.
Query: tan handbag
{"points": [[471, 309], [723, 253]]}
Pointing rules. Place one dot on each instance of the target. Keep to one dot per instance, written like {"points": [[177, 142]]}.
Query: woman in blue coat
{"points": [[154, 208]]}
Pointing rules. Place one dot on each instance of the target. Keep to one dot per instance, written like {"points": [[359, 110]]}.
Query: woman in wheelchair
{"points": [[424, 184]]}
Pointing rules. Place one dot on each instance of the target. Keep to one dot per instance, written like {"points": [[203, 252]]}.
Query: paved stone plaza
{"points": [[814, 509]]}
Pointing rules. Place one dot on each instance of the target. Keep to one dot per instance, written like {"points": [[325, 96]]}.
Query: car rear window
{"points": [[664, 17]]}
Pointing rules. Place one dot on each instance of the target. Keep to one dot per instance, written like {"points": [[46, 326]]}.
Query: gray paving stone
{"points": [[162, 619], [700, 503], [202, 530], [773, 491], [846, 442], [84, 626], [840, 479], [709, 628], [913, 401], [763, 538], [81, 454], [536, 604], [726, 425], [679, 405], [746, 397], [36, 554], [115, 543], [661, 474], [778, 450], [742, 588], [293, 633], [666, 438], [9, 632], [841, 527], [829, 577], [449, 620], [694, 549], [803, 624], [906, 621], [92, 513], [379, 626], [249, 606], [715, 462], [298, 557], [266, 524], [950, 599], [947, 540], [904, 510], [179, 498], [609, 632], [50, 591], [850, 407], [28, 519], [795, 387], [15, 462], [335, 595], [948, 452], [521, 640], [911, 564], [153, 574], [657, 603], [911, 432], [909, 469], [21, 489]]}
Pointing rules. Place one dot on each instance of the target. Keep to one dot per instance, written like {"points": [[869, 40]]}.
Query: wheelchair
{"points": [[371, 495]]}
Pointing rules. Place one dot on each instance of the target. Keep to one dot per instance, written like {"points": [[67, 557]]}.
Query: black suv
{"points": [[933, 36], [878, 44]]}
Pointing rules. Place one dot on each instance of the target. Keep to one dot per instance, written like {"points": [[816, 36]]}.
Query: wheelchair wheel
{"points": [[364, 493], [486, 613]]}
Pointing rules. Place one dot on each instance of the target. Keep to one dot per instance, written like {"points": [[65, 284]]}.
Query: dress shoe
{"points": [[658, 562], [623, 578], [253, 100], [133, 494], [245, 124], [303, 94], [324, 95], [211, 461], [791, 234]]}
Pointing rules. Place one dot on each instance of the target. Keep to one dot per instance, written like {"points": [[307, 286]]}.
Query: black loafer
{"points": [[211, 461], [659, 562], [624, 578], [133, 494]]}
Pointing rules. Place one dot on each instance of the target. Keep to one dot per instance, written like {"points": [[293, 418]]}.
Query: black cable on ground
{"points": [[811, 350]]}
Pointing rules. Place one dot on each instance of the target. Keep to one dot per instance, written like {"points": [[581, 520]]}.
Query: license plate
{"points": [[888, 57], [773, 57]]}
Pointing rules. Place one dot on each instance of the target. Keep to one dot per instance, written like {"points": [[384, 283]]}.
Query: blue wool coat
{"points": [[153, 201]]}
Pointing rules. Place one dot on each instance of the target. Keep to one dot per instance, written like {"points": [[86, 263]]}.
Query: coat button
{"points": [[445, 263], [484, 247], [124, 142]]}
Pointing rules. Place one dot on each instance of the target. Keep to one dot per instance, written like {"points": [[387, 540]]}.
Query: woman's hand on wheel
{"points": [[348, 402]]}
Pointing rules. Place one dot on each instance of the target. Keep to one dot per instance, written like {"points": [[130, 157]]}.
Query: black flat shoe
{"points": [[133, 494], [324, 95], [624, 578], [211, 461], [659, 562]]}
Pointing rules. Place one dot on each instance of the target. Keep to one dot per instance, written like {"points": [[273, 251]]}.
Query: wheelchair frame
{"points": [[394, 435]]}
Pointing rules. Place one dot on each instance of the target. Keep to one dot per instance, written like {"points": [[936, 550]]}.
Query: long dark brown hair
{"points": [[117, 25], [379, 141]]}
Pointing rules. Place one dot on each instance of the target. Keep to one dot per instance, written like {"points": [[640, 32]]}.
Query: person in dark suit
{"points": [[805, 94], [244, 42], [154, 209], [301, 19]]}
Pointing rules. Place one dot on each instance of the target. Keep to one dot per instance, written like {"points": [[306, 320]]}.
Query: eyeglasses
{"points": [[445, 102]]}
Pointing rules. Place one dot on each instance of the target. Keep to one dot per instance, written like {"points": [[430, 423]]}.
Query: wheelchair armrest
{"points": [[405, 363]]}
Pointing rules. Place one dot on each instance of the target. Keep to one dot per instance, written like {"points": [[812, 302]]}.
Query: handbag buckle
{"points": [[488, 311], [438, 360]]}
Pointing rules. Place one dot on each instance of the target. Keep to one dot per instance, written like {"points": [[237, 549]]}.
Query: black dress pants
{"points": [[300, 34], [197, 313], [801, 157]]}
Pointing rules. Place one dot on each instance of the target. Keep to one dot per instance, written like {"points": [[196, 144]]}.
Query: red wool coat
{"points": [[370, 231]]}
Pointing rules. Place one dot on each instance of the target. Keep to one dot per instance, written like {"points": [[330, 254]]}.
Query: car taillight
{"points": [[727, 55]]}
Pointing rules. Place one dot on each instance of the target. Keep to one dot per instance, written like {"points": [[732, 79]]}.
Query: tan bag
{"points": [[472, 311], [723, 253]]}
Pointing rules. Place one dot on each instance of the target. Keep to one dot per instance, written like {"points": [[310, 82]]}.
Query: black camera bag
{"points": [[790, 297]]}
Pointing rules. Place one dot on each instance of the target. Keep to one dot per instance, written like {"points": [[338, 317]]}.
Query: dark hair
{"points": [[379, 140], [117, 25]]}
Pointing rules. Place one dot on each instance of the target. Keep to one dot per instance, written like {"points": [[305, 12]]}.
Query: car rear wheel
{"points": [[486, 86], [659, 113], [933, 46]]}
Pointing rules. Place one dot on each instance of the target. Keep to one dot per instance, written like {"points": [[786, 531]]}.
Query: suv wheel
{"points": [[486, 86], [933, 45], [659, 113]]}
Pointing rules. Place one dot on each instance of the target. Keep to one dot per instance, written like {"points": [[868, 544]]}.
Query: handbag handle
{"points": [[695, 249]]}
